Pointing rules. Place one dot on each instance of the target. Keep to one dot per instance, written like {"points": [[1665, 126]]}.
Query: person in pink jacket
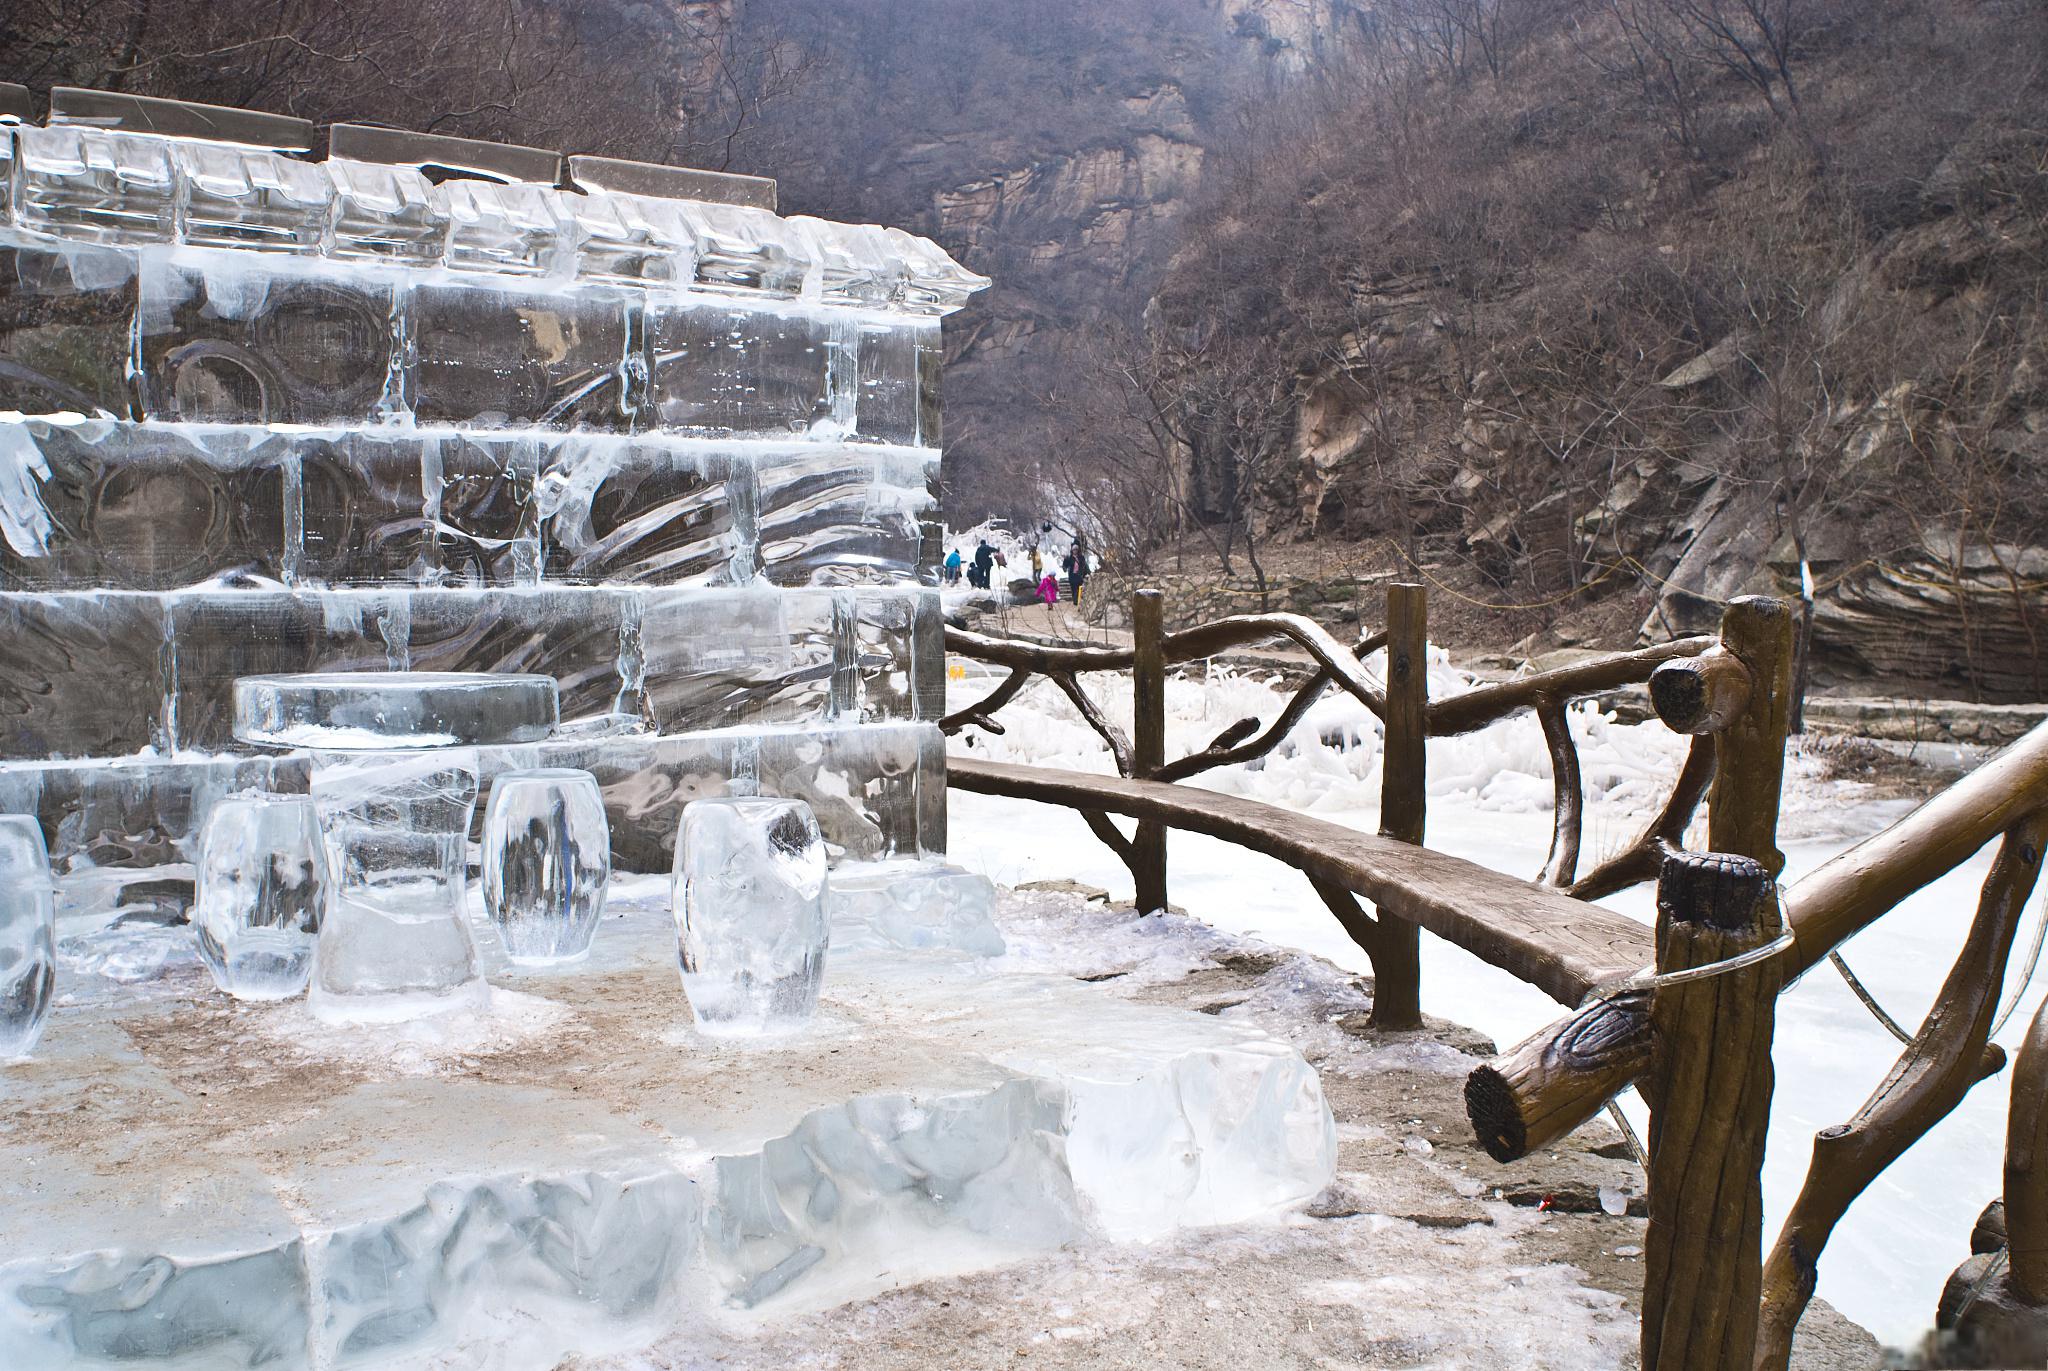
{"points": [[1049, 589]]}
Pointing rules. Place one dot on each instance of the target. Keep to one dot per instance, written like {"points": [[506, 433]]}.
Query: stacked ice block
{"points": [[434, 405]]}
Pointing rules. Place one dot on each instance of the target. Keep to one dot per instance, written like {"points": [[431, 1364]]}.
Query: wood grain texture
{"points": [[1561, 946], [1945, 1058], [1709, 1091], [1556, 1079]]}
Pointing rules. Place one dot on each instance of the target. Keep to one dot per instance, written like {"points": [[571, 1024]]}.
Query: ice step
{"points": [[107, 675], [123, 832], [578, 1170], [381, 710]]}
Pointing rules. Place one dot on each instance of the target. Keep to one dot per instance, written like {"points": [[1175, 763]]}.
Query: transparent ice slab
{"points": [[83, 677], [914, 905], [511, 229], [97, 185], [67, 312], [845, 515], [385, 214], [28, 957], [644, 511], [728, 368], [491, 357], [380, 710], [250, 198], [751, 927], [238, 338], [119, 506]]}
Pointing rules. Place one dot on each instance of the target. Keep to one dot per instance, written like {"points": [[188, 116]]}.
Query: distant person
{"points": [[1049, 589], [1037, 565], [984, 559], [953, 567], [1077, 568]]}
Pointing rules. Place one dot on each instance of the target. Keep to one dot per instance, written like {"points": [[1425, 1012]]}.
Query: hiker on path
{"points": [[984, 558], [1077, 568], [953, 567], [1049, 589]]}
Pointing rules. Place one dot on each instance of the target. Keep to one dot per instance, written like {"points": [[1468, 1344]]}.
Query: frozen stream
{"points": [[1489, 802]]}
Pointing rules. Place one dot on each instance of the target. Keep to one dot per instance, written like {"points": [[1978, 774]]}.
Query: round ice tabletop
{"points": [[378, 711]]}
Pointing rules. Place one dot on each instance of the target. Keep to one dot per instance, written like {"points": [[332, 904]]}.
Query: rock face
{"points": [[1052, 145]]}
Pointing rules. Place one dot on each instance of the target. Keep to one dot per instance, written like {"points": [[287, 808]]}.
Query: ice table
{"points": [[394, 781], [577, 1170]]}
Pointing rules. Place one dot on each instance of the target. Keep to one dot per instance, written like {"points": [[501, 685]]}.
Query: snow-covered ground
{"points": [[1490, 796]]}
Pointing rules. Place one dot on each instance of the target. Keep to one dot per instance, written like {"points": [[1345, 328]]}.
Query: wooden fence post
{"points": [[1742, 810], [1404, 774], [1148, 740], [1709, 1090]]}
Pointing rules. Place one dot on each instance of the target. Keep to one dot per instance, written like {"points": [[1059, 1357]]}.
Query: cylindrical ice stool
{"points": [[750, 913], [262, 880], [546, 862], [394, 942], [28, 956]]}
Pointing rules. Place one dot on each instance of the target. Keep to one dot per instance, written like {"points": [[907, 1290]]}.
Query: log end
{"points": [[1717, 889], [1496, 1115]]}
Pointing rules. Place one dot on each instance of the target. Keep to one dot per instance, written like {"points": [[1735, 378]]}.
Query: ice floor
{"points": [[195, 1183], [1489, 802]]}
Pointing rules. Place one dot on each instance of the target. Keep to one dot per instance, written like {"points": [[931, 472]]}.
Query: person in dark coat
{"points": [[1076, 567], [984, 558]]}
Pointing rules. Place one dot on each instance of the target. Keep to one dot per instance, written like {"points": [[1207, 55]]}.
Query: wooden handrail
{"points": [[1845, 894]]}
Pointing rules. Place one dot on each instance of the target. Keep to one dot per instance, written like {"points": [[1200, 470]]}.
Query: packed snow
{"points": [[1489, 801]]}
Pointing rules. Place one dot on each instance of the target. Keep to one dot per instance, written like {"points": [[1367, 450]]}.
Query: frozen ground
{"points": [[1489, 801]]}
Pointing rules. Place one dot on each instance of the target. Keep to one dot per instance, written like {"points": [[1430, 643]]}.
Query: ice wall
{"points": [[260, 414]]}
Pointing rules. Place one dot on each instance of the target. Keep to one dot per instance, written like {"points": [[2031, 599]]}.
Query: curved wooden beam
{"points": [[1475, 709], [1945, 1058], [1844, 895], [2026, 1167], [1091, 714], [1665, 834], [1232, 747], [979, 712], [1559, 945], [1569, 802], [1013, 652]]}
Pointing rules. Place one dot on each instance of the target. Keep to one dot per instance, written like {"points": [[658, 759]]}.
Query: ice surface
{"points": [[95, 184], [28, 960], [67, 311], [240, 197], [513, 230], [750, 913], [546, 861], [261, 887], [645, 511], [581, 1174], [832, 515], [899, 362], [746, 251], [503, 358], [394, 942], [231, 338], [729, 367], [631, 239], [913, 905], [385, 214], [83, 675], [383, 710]]}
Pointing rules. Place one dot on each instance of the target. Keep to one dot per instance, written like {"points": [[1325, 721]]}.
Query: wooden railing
{"points": [[1686, 1015]]}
